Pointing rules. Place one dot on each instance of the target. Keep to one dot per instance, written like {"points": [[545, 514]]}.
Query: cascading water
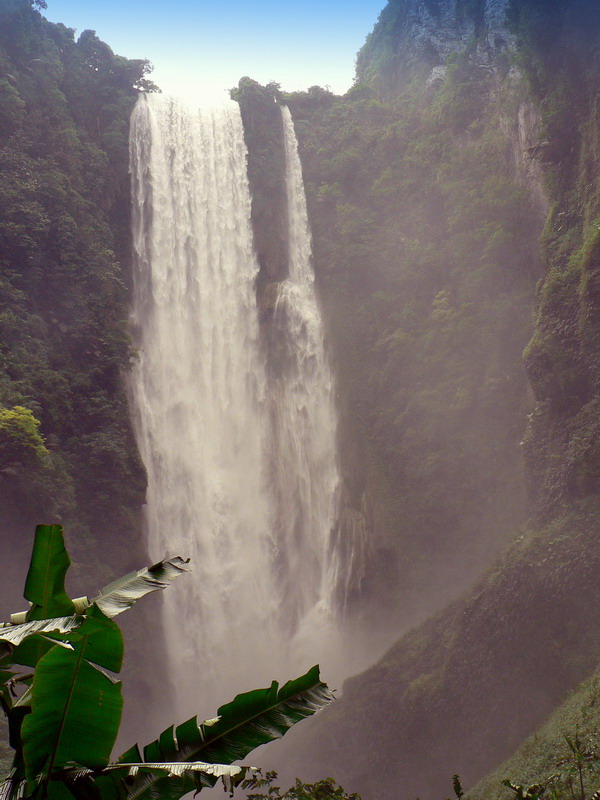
{"points": [[305, 476], [240, 453]]}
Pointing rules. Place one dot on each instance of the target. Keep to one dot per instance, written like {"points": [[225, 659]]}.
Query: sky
{"points": [[203, 48]]}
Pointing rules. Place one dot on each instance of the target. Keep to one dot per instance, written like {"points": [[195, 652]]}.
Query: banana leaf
{"points": [[12, 787], [45, 587], [167, 781], [121, 594], [45, 582], [251, 719], [75, 706], [170, 780], [13, 635], [103, 640], [16, 715], [118, 596]]}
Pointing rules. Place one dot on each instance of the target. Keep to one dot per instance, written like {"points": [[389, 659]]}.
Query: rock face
{"points": [[523, 131], [263, 133], [460, 692], [418, 36]]}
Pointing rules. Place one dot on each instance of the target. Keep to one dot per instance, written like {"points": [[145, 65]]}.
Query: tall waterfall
{"points": [[240, 452], [303, 440]]}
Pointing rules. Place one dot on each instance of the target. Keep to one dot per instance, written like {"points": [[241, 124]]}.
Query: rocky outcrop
{"points": [[263, 132], [524, 132], [418, 36]]}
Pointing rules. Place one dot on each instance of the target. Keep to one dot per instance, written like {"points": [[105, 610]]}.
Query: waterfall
{"points": [[305, 474], [239, 451]]}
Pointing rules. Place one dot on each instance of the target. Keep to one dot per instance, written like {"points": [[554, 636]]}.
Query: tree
{"points": [[325, 789], [21, 443], [64, 717]]}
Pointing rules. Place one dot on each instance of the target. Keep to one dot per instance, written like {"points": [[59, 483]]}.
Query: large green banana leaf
{"points": [[45, 582], [110, 781], [45, 587], [103, 640], [121, 594], [251, 719], [75, 707], [167, 781]]}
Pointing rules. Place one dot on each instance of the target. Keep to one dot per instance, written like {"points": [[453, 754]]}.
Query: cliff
{"points": [[417, 37], [263, 133], [425, 243], [65, 243], [436, 191]]}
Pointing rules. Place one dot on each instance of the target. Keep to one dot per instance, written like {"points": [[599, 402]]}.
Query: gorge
{"points": [[443, 497]]}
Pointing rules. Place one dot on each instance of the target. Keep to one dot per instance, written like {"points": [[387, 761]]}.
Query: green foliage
{"points": [[252, 719], [71, 695], [29, 471], [325, 789], [45, 584], [547, 760], [576, 775], [64, 720], [457, 786], [462, 97], [533, 792], [20, 441]]}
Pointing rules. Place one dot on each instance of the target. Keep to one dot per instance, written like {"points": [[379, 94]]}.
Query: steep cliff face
{"points": [[263, 132], [461, 692], [425, 243], [416, 38]]}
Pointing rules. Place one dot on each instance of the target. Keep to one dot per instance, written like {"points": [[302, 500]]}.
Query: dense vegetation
{"points": [[66, 445], [65, 436]]}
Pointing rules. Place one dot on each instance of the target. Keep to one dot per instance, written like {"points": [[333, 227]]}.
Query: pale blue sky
{"points": [[202, 47]]}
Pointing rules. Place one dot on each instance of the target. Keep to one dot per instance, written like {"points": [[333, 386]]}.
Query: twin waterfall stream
{"points": [[241, 457]]}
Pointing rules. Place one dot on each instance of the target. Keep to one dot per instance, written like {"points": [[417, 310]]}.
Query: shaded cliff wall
{"points": [[425, 245], [263, 132], [462, 691]]}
